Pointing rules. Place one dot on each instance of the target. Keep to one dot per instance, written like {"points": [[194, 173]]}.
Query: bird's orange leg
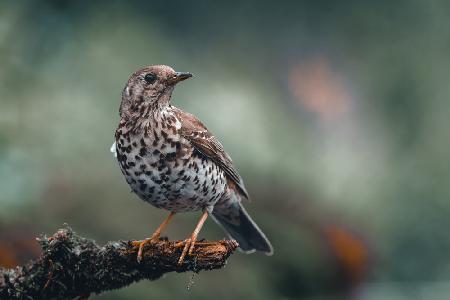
{"points": [[190, 242], [155, 236]]}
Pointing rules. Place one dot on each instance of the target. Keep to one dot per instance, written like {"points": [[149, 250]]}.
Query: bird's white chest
{"points": [[163, 168]]}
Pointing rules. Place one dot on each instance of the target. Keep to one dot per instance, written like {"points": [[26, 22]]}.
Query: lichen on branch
{"points": [[72, 266]]}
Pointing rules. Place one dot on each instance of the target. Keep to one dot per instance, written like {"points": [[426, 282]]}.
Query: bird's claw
{"points": [[188, 249], [141, 245]]}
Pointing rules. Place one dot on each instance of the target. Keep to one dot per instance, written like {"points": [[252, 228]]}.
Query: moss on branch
{"points": [[74, 267]]}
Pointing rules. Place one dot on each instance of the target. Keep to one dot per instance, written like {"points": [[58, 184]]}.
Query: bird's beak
{"points": [[180, 76]]}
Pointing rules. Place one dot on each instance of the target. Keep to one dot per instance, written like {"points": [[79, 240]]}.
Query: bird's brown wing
{"points": [[207, 144]]}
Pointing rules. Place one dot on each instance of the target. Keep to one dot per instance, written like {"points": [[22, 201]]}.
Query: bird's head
{"points": [[151, 85]]}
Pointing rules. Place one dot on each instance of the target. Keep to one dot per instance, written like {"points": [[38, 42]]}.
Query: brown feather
{"points": [[207, 144]]}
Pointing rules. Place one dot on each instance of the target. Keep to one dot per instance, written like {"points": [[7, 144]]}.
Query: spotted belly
{"points": [[190, 183]]}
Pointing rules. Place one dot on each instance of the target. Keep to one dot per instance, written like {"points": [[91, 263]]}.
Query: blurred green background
{"points": [[336, 115]]}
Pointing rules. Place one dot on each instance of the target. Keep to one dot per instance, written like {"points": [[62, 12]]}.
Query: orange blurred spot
{"points": [[7, 257], [17, 247], [320, 90], [350, 251]]}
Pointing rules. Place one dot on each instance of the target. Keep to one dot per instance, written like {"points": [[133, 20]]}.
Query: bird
{"points": [[172, 161]]}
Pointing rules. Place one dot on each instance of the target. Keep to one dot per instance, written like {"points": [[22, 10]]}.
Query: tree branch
{"points": [[72, 266]]}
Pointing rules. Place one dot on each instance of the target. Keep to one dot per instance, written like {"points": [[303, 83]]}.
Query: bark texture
{"points": [[74, 267]]}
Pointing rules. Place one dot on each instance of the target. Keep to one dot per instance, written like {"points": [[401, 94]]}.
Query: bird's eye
{"points": [[150, 78]]}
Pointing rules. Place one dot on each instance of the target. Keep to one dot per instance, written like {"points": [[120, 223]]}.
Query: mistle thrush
{"points": [[171, 160]]}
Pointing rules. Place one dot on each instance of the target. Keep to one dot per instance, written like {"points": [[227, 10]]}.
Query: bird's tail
{"points": [[235, 220]]}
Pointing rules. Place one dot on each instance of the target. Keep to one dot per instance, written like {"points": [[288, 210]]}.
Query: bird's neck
{"points": [[144, 114], [136, 106]]}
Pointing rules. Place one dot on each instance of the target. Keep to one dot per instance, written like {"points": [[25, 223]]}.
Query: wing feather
{"points": [[207, 144]]}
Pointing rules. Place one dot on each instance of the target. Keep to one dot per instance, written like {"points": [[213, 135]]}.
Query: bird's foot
{"points": [[141, 245], [188, 249], [189, 243]]}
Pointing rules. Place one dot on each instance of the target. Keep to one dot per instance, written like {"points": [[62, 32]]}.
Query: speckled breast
{"points": [[164, 169]]}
